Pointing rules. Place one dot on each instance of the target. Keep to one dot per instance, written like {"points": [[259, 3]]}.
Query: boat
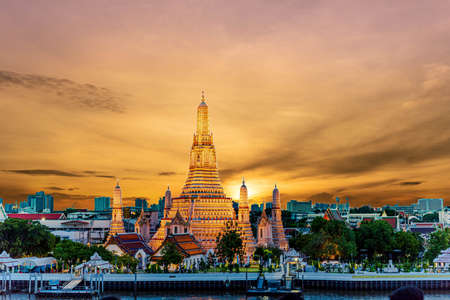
{"points": [[54, 290], [274, 288]]}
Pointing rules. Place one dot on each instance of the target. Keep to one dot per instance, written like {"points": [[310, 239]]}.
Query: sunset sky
{"points": [[323, 98]]}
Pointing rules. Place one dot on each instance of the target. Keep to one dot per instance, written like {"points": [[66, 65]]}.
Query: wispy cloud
{"points": [[40, 172], [68, 92], [55, 188], [410, 183], [167, 173]]}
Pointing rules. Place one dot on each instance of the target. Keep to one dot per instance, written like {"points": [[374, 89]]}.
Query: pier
{"points": [[31, 283]]}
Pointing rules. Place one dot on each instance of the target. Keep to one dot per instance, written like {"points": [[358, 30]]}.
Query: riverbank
{"points": [[235, 281]]}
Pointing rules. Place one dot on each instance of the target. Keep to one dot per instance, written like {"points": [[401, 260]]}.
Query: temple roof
{"points": [[333, 214], [129, 243], [186, 244], [50, 216], [178, 219]]}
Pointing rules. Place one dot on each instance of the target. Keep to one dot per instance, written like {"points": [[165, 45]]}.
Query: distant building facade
{"points": [[140, 203], [295, 206], [430, 204], [38, 203], [102, 203]]}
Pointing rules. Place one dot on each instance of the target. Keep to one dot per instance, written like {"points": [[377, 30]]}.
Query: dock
{"points": [[32, 283]]}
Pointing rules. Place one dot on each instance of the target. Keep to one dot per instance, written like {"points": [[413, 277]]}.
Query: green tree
{"points": [[328, 239], [317, 224], [254, 216], [439, 240], [362, 210], [25, 238], [377, 237], [264, 254], [286, 217], [302, 223], [433, 217], [71, 253], [229, 246], [409, 244], [170, 255], [390, 212], [127, 261]]}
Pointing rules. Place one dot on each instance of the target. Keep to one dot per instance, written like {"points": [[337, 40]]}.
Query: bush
{"points": [[154, 268], [236, 268]]}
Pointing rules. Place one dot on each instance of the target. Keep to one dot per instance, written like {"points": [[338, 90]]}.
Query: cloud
{"points": [[410, 183], [167, 173], [90, 172], [105, 176], [321, 197], [68, 92], [40, 172], [55, 188]]}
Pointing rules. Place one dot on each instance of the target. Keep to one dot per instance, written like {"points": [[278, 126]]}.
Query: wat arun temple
{"points": [[204, 206]]}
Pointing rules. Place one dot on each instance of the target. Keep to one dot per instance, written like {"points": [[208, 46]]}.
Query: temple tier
{"points": [[202, 203]]}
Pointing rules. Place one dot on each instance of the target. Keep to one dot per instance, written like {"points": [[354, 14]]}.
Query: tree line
{"points": [[375, 241]]}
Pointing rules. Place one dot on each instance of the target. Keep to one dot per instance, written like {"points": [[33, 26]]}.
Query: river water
{"points": [[309, 295]]}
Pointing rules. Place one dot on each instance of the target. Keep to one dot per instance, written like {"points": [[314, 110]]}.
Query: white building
{"points": [[444, 217], [430, 204], [83, 231], [443, 260], [3, 215]]}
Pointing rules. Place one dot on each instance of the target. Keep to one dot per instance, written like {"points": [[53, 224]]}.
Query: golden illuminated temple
{"points": [[202, 203], [117, 222]]}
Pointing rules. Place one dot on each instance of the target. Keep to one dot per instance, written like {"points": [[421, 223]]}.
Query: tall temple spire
{"points": [[202, 202], [117, 221], [167, 202], [202, 119], [244, 221], [203, 177]]}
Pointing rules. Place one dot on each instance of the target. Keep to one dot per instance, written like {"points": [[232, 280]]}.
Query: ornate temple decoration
{"points": [[202, 202], [244, 225], [271, 231], [117, 222]]}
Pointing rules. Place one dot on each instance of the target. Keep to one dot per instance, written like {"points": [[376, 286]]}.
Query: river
{"points": [[309, 295]]}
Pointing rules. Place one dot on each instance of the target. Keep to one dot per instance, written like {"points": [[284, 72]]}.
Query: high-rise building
{"points": [[140, 203], [102, 203], [161, 205], [255, 208], [202, 202], [23, 204], [429, 204], [9, 208], [48, 204], [321, 206], [295, 206], [39, 202], [117, 217]]}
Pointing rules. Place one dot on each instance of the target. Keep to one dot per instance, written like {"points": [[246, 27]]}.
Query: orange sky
{"points": [[347, 99]]}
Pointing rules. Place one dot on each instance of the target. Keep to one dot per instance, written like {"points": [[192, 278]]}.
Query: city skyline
{"points": [[323, 102]]}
